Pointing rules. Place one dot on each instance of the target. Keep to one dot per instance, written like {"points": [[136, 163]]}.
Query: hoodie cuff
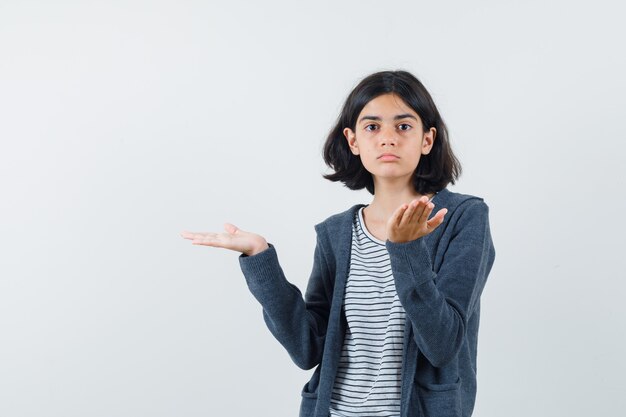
{"points": [[262, 268], [411, 261]]}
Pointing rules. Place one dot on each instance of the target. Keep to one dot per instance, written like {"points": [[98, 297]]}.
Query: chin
{"points": [[389, 175]]}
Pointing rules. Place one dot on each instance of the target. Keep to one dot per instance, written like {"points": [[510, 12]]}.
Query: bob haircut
{"points": [[434, 171]]}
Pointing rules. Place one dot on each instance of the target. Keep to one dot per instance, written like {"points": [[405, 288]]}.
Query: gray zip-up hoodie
{"points": [[439, 279]]}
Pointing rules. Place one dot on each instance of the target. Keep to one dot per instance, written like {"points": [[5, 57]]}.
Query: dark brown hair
{"points": [[434, 170]]}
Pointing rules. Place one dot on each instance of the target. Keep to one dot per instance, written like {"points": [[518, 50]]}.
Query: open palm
{"points": [[410, 221], [234, 239]]}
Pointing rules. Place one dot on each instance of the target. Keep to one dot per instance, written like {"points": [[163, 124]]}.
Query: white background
{"points": [[124, 123]]}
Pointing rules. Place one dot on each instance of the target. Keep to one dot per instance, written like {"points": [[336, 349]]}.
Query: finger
{"points": [[437, 219], [427, 210], [208, 239], [408, 214], [204, 242], [419, 209], [191, 235], [230, 228], [396, 217]]}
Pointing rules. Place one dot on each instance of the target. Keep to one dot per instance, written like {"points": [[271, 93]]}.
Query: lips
{"points": [[388, 157]]}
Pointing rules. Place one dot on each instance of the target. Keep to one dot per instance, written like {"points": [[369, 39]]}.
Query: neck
{"points": [[388, 198]]}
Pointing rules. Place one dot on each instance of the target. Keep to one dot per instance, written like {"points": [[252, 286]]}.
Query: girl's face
{"points": [[386, 125]]}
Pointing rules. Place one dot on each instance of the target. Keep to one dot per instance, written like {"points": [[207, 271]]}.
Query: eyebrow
{"points": [[398, 117]]}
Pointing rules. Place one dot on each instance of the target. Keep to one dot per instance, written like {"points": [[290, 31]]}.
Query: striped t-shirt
{"points": [[368, 377]]}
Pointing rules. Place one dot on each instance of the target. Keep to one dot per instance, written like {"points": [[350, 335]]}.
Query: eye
{"points": [[368, 127], [406, 125]]}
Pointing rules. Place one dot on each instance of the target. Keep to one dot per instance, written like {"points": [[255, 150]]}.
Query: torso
{"points": [[369, 373]]}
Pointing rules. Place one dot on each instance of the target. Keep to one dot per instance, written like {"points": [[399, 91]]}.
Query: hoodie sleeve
{"points": [[439, 304], [298, 324]]}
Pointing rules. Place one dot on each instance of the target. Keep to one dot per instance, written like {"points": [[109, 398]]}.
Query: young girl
{"points": [[391, 310]]}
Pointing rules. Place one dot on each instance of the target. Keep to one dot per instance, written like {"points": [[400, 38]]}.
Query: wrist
{"points": [[258, 249], [400, 241]]}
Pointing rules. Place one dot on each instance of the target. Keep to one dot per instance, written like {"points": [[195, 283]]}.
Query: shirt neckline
{"points": [[364, 228]]}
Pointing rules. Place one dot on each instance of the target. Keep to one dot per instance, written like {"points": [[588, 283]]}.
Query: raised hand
{"points": [[234, 239], [410, 221]]}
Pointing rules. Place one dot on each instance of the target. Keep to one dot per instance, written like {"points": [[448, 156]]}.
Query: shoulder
{"points": [[338, 221], [453, 200], [467, 214]]}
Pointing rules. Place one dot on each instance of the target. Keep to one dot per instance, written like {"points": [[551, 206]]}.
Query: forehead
{"points": [[386, 105]]}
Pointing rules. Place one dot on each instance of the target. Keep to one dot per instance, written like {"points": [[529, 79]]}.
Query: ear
{"points": [[428, 141], [351, 138]]}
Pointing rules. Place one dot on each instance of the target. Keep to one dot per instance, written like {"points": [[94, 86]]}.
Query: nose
{"points": [[388, 136]]}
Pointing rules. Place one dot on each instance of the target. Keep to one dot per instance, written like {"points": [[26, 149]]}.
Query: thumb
{"points": [[231, 228]]}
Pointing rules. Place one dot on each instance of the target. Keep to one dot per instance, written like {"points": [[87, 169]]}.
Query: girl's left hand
{"points": [[410, 221]]}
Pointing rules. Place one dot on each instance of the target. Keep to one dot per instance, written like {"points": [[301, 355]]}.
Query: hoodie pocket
{"points": [[309, 400], [438, 400]]}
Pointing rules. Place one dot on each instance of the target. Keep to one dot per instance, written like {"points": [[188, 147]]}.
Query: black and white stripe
{"points": [[368, 377]]}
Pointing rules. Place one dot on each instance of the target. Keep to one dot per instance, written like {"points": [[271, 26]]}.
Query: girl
{"points": [[391, 310]]}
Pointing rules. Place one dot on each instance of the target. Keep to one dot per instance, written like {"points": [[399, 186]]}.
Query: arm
{"points": [[439, 304], [299, 325]]}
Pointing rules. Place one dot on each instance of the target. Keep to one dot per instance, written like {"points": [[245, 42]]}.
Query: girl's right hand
{"points": [[234, 239]]}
